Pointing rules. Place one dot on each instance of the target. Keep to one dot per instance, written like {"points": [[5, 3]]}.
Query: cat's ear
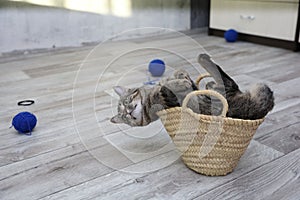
{"points": [[121, 91], [116, 119]]}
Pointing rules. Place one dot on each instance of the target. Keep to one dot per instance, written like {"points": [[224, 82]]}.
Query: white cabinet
{"points": [[276, 19]]}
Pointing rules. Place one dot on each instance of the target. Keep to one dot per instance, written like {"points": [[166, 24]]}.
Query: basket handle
{"points": [[202, 76], [207, 92]]}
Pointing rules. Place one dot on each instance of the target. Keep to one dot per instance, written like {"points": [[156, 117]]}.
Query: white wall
{"points": [[28, 26]]}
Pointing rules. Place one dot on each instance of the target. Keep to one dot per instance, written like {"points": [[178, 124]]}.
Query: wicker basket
{"points": [[210, 145]]}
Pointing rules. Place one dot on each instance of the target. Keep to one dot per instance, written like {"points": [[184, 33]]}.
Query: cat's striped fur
{"points": [[138, 106]]}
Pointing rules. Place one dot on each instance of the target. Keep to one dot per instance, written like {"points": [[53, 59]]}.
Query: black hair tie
{"points": [[25, 103]]}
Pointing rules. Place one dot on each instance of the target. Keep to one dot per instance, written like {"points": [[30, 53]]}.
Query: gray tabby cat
{"points": [[138, 106]]}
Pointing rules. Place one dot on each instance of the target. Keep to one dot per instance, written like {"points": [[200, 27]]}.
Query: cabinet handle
{"points": [[249, 17]]}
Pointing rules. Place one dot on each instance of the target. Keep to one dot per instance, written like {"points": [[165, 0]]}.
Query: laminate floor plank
{"points": [[275, 179]]}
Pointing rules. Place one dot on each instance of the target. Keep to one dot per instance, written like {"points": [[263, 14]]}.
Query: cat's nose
{"points": [[130, 107]]}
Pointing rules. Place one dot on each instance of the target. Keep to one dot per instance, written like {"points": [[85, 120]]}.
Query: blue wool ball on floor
{"points": [[157, 67], [231, 35], [24, 122]]}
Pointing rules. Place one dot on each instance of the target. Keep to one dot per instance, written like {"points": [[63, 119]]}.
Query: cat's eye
{"points": [[127, 101]]}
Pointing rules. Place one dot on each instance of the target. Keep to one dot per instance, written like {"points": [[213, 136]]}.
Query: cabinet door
{"points": [[264, 18]]}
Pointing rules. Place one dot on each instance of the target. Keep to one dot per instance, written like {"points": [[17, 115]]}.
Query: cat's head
{"points": [[130, 110]]}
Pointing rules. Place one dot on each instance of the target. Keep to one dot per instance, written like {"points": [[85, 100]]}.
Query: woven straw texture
{"points": [[210, 145]]}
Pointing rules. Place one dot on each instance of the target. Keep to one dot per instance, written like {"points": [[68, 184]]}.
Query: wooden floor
{"points": [[76, 153]]}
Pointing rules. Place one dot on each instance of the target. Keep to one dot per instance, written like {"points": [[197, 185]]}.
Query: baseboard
{"points": [[291, 45]]}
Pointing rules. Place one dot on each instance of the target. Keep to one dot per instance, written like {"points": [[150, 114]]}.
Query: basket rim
{"points": [[209, 117]]}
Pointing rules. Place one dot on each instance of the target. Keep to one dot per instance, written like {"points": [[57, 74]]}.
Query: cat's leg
{"points": [[222, 79], [163, 81], [169, 98], [210, 85], [199, 104], [179, 85], [214, 86], [182, 74], [180, 79]]}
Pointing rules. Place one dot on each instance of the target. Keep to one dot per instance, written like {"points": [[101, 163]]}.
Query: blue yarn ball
{"points": [[231, 35], [157, 67], [24, 122]]}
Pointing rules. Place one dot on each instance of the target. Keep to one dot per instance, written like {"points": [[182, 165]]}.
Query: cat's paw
{"points": [[210, 85], [203, 57], [181, 74], [187, 83]]}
